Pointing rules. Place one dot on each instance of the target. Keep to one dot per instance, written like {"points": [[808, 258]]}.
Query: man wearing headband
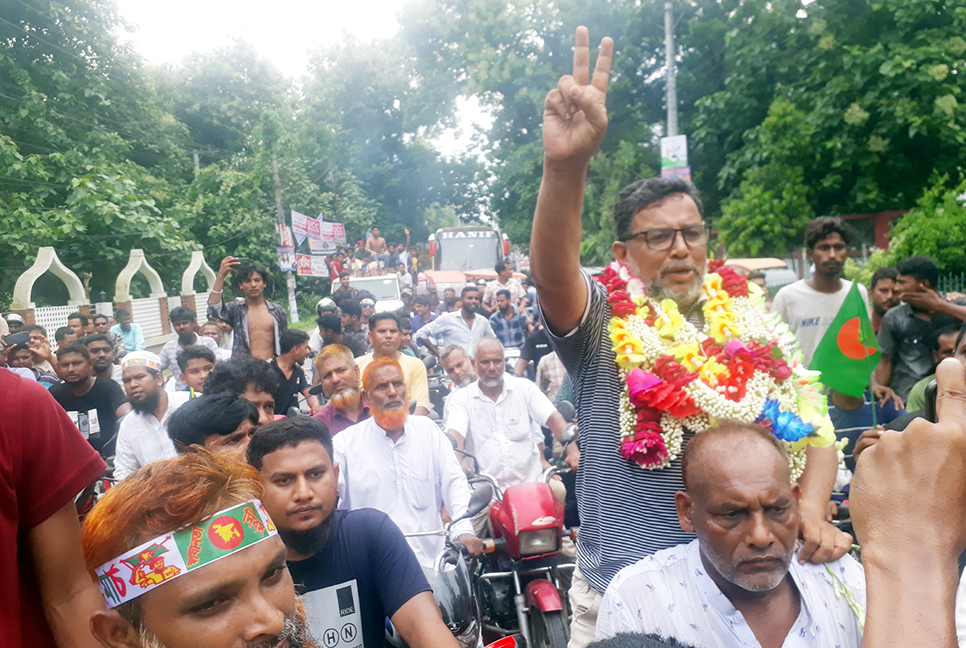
{"points": [[142, 436], [185, 555]]}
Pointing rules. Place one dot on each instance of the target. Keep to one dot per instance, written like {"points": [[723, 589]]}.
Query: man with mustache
{"points": [[662, 240], [94, 405], [460, 368], [142, 436], [737, 583], [339, 375], [808, 306], [403, 466], [350, 566], [186, 555], [184, 322]]}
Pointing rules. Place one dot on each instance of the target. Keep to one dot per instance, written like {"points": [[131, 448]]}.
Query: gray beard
{"points": [[657, 291], [296, 631]]}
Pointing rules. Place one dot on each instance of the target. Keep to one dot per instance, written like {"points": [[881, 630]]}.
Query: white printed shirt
{"points": [[143, 439], [671, 594], [451, 328], [408, 480], [503, 435]]}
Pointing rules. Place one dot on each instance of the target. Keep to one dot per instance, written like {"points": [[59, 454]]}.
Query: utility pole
{"points": [[289, 276], [671, 94]]}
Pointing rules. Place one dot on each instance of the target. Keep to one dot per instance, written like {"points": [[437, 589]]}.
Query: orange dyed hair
{"points": [[165, 496], [333, 351], [379, 363]]}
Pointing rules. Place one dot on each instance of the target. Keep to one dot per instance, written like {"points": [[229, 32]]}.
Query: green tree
{"points": [[935, 228]]}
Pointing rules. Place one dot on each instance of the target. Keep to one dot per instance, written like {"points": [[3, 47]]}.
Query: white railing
{"points": [[147, 313], [52, 318], [201, 306]]}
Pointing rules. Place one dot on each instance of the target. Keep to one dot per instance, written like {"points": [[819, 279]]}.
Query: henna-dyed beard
{"points": [[348, 399], [390, 419]]}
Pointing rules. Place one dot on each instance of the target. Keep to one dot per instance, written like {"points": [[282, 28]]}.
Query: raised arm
{"points": [[908, 503], [228, 265], [574, 123]]}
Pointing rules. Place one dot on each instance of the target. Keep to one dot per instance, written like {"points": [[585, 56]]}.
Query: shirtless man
{"points": [[377, 245], [257, 324]]}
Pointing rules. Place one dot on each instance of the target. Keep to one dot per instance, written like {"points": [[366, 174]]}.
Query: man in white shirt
{"points": [[808, 306], [498, 419], [403, 466], [464, 327], [739, 584], [142, 435]]}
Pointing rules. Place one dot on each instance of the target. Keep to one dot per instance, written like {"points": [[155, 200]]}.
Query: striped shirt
{"points": [[626, 512]]}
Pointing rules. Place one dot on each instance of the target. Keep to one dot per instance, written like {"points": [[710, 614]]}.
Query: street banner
{"points": [[674, 157], [286, 258], [321, 245], [304, 227], [300, 226], [311, 266]]}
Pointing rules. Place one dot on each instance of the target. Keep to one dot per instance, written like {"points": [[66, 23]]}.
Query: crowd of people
{"points": [[277, 486]]}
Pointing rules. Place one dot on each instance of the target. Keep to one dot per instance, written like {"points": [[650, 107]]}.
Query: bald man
{"points": [[738, 583]]}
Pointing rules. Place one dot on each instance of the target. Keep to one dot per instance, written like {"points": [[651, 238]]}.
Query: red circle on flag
{"points": [[226, 533], [849, 344]]}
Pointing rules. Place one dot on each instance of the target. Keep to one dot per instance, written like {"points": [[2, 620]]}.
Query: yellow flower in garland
{"points": [[723, 326], [670, 319], [628, 350], [689, 355], [710, 370]]}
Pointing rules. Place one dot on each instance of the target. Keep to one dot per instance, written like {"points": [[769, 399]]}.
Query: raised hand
{"points": [[228, 265], [575, 113]]}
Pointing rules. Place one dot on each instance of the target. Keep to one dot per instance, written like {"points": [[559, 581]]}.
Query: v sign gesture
{"points": [[575, 114], [574, 123]]}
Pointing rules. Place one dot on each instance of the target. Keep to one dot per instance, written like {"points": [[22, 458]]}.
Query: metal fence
{"points": [[201, 306], [952, 283]]}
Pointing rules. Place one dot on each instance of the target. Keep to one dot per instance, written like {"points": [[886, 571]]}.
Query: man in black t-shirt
{"points": [[294, 345], [353, 569], [94, 404], [537, 346]]}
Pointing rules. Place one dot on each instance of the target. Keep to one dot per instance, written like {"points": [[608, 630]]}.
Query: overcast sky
{"points": [[282, 30]]}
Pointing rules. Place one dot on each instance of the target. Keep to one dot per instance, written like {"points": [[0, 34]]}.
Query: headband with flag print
{"points": [[166, 557]]}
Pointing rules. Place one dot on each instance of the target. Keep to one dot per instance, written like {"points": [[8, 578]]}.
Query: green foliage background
{"points": [[837, 107]]}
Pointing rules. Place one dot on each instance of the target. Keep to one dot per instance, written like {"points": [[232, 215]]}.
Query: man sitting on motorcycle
{"points": [[403, 466], [185, 555], [460, 369], [341, 560], [499, 417], [339, 375], [741, 581]]}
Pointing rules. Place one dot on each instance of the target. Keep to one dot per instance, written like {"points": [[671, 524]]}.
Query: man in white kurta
{"points": [[739, 584], [403, 466]]}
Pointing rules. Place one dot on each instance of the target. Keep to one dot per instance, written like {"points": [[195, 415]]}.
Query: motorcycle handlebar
{"points": [[492, 544]]}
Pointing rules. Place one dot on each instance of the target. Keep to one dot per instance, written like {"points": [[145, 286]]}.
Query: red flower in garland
{"points": [[768, 358], [621, 304], [673, 371], [733, 283], [646, 390], [646, 448], [611, 280]]}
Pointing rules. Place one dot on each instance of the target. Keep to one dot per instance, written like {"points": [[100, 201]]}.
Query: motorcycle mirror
{"points": [[315, 390], [452, 441], [429, 362], [479, 500], [569, 434], [567, 410]]}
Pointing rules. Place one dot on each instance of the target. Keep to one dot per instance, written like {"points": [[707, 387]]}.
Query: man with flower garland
{"points": [[628, 512]]}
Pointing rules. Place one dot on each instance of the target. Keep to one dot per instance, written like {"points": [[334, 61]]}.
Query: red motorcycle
{"points": [[518, 584]]}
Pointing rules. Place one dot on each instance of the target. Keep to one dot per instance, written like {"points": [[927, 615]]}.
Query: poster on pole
{"points": [[286, 258], [674, 157], [285, 236], [307, 265]]}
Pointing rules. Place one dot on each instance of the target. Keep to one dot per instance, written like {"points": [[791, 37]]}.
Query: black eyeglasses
{"points": [[662, 238]]}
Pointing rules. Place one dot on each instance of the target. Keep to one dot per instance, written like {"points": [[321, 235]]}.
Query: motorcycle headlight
{"points": [[534, 543]]}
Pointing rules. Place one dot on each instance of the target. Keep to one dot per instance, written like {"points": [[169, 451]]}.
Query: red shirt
{"points": [[44, 463]]}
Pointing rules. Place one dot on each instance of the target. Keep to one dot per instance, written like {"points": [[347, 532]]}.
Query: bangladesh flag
{"points": [[848, 351]]}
